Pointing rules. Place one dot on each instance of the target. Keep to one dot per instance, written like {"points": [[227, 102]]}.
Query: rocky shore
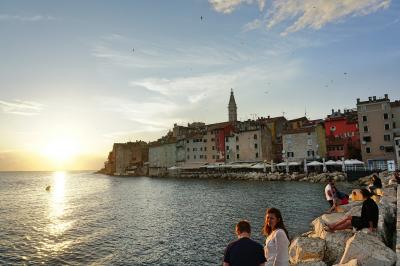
{"points": [[277, 176], [348, 247]]}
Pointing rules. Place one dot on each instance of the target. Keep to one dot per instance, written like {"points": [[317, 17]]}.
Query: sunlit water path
{"points": [[94, 219]]}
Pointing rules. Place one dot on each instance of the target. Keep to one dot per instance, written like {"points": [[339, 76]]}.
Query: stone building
{"points": [[161, 157], [276, 126], [250, 141], [127, 158], [375, 122], [307, 142], [395, 107]]}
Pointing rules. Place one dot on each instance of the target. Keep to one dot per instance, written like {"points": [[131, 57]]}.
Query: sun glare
{"points": [[61, 150]]}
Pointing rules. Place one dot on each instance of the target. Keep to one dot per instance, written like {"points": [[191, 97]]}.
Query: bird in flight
{"points": [[201, 17]]}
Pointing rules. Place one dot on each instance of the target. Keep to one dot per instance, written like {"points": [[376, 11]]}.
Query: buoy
{"points": [[48, 188]]}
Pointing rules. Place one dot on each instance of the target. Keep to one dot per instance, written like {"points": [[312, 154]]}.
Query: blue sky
{"points": [[69, 76]]}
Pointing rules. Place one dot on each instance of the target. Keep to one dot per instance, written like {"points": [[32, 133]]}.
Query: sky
{"points": [[78, 76]]}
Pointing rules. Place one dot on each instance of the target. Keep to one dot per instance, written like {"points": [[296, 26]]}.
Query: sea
{"points": [[93, 219]]}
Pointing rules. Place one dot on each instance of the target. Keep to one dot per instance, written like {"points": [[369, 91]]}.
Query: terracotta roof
{"points": [[299, 119]]}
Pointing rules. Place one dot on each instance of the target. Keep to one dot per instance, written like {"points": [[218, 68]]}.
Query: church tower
{"points": [[232, 108]]}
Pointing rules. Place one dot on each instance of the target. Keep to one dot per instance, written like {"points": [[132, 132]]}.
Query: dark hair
{"points": [[365, 192], [267, 230], [243, 226]]}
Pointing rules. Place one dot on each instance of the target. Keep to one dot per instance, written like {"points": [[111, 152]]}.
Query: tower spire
{"points": [[232, 108]]}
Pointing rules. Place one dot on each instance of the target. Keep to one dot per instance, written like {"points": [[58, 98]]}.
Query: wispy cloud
{"points": [[228, 6], [122, 51], [303, 14], [35, 18], [19, 107]]}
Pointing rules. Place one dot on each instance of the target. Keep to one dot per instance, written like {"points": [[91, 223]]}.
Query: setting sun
{"points": [[61, 150]]}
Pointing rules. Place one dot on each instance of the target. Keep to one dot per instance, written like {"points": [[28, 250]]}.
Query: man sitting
{"points": [[369, 216], [244, 251]]}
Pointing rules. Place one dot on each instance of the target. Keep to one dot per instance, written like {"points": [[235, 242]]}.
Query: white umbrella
{"points": [[294, 164], [314, 163], [281, 164], [343, 165], [173, 168], [355, 161], [258, 166], [330, 162]]}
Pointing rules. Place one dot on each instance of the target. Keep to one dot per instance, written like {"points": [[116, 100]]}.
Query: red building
{"points": [[342, 135]]}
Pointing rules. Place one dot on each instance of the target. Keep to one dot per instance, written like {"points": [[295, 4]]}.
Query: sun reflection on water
{"points": [[58, 222]]}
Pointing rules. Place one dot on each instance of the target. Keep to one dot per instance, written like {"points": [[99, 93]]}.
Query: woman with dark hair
{"points": [[376, 182], [369, 216], [277, 242]]}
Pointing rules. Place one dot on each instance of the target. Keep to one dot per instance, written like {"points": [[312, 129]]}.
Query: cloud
{"points": [[19, 107], [35, 18], [228, 6], [301, 14]]}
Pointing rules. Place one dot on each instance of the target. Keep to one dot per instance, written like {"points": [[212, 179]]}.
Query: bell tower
{"points": [[232, 108]]}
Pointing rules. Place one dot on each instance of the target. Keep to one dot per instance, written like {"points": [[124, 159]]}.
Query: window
{"points": [[205, 156], [237, 156], [256, 154], [399, 153], [385, 116], [397, 142], [237, 138], [205, 148], [212, 139], [255, 146], [213, 156], [394, 125], [365, 118], [187, 149], [368, 150], [386, 137], [201, 148], [205, 140], [194, 149], [226, 139], [365, 128], [389, 149], [367, 138], [309, 141], [187, 141], [290, 154], [201, 156], [237, 147], [255, 136], [310, 153], [227, 148], [188, 157], [387, 127], [213, 147], [227, 156], [194, 157]]}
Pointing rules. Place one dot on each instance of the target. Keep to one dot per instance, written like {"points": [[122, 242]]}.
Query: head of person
{"points": [[273, 221], [366, 194], [243, 227], [374, 177], [330, 180]]}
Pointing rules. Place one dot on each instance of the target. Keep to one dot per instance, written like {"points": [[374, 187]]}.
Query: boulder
{"points": [[350, 263], [368, 250], [320, 222], [335, 244], [306, 249], [311, 263]]}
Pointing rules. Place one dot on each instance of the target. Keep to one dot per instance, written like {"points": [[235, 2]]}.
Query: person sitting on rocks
{"points": [[397, 176], [244, 251], [330, 191], [376, 182], [277, 242], [369, 216]]}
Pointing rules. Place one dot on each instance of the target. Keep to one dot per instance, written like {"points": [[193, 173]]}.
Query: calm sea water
{"points": [[95, 219]]}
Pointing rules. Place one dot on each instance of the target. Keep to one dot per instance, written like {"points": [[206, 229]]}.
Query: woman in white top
{"points": [[277, 242]]}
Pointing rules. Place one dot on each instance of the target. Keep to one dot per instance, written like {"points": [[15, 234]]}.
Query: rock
{"points": [[354, 211], [306, 249], [335, 244], [311, 263], [350, 263], [319, 223], [368, 250]]}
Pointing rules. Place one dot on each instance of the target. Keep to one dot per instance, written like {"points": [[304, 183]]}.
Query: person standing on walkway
{"points": [[277, 242], [244, 251]]}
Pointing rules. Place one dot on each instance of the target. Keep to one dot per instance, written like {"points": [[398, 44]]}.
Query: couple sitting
{"points": [[334, 196], [369, 216], [248, 252]]}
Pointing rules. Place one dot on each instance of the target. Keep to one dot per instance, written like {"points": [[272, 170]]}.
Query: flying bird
{"points": [[201, 17], [133, 50]]}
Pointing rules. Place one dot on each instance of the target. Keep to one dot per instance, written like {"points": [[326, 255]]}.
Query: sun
{"points": [[61, 150]]}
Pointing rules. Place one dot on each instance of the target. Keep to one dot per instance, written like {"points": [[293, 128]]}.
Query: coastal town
{"points": [[364, 137]]}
